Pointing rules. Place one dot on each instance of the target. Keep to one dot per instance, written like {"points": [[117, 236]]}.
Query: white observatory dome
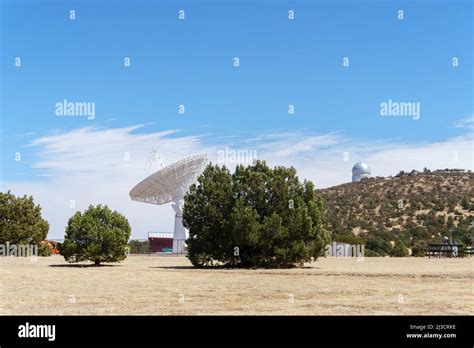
{"points": [[359, 171]]}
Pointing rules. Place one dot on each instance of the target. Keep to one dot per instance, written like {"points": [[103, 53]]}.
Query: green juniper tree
{"points": [[98, 235], [20, 220], [399, 249], [256, 217]]}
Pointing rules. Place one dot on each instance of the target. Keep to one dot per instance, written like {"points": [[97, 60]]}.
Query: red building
{"points": [[159, 241]]}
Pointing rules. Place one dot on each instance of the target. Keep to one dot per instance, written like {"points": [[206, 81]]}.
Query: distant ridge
{"points": [[414, 207]]}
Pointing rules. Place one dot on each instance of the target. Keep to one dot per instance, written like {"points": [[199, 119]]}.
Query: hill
{"points": [[388, 214]]}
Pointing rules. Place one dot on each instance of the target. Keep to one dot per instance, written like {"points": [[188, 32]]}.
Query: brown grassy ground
{"points": [[169, 285]]}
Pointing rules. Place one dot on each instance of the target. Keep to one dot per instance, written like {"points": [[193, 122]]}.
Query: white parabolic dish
{"points": [[170, 185]]}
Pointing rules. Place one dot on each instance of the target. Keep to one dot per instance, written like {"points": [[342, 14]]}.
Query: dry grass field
{"points": [[171, 286]]}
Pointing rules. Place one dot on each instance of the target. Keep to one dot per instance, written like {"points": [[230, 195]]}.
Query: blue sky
{"points": [[190, 62]]}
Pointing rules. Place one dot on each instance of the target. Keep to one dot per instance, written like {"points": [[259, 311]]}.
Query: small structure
{"points": [[160, 242], [52, 246], [445, 250]]}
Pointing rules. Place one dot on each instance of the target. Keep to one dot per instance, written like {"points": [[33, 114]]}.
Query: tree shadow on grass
{"points": [[72, 265], [176, 267], [233, 268]]}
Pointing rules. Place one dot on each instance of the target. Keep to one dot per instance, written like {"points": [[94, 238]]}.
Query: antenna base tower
{"points": [[170, 184]]}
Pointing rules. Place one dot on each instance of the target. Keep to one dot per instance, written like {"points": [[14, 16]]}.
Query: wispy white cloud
{"points": [[467, 122], [28, 134], [100, 165], [118, 152]]}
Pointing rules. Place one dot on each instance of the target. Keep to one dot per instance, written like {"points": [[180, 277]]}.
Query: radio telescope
{"points": [[170, 184]]}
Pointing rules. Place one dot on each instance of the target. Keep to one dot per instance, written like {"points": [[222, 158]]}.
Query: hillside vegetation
{"points": [[396, 215]]}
